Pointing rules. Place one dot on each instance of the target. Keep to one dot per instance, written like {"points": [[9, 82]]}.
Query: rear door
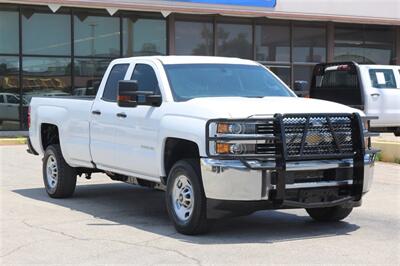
{"points": [[104, 119], [382, 94], [12, 107]]}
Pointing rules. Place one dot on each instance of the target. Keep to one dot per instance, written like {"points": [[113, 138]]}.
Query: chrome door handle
{"points": [[122, 115], [375, 94], [96, 112]]}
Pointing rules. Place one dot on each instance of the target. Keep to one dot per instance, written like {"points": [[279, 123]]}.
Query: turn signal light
{"points": [[223, 128], [222, 148]]}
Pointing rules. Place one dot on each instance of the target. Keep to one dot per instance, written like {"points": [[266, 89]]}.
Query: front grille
{"points": [[267, 146], [310, 136]]}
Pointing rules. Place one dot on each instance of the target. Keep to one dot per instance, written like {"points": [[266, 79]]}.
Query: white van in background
{"points": [[375, 89]]}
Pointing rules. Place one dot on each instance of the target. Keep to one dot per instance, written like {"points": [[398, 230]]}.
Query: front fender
{"points": [[181, 127]]}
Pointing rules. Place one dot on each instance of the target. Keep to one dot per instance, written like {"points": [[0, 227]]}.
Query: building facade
{"points": [[64, 48]]}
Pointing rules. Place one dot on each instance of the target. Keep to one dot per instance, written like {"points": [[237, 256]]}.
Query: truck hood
{"points": [[242, 107]]}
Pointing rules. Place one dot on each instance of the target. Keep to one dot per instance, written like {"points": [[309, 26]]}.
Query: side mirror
{"points": [[300, 85], [128, 95]]}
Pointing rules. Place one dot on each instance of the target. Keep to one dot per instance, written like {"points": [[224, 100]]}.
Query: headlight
{"points": [[235, 128], [234, 148], [236, 138]]}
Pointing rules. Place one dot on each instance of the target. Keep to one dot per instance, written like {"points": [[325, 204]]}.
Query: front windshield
{"points": [[190, 81]]}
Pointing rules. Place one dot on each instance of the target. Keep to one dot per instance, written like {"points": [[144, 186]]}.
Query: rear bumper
{"points": [[232, 180]]}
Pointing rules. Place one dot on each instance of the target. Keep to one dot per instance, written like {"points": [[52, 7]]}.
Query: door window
{"points": [[1, 99], [110, 90], [12, 99], [146, 78], [382, 78]]}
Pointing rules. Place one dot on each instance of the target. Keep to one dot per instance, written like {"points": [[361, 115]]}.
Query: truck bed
{"points": [[71, 114]]}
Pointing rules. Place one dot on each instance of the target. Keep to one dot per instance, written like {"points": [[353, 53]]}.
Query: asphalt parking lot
{"points": [[107, 222]]}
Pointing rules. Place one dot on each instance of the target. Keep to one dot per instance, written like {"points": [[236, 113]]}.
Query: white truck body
{"points": [[382, 94], [376, 90], [95, 133]]}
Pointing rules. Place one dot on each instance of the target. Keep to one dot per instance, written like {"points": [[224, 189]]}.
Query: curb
{"points": [[390, 151], [12, 141]]}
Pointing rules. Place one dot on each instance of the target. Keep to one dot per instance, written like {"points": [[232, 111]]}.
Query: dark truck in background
{"points": [[374, 89]]}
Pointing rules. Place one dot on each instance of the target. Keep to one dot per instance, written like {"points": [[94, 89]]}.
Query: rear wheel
{"points": [[59, 178], [331, 214], [397, 132], [185, 199]]}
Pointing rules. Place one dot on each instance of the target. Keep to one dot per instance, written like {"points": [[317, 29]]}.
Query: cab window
{"points": [[146, 78], [382, 78], [117, 73], [12, 99]]}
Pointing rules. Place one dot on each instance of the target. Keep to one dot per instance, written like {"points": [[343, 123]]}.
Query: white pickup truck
{"points": [[374, 89], [222, 137]]}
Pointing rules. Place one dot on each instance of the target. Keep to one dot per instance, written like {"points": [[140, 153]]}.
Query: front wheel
{"points": [[59, 178], [331, 214], [185, 199]]}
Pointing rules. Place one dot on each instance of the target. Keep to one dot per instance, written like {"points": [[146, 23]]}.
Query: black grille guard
{"points": [[356, 149]]}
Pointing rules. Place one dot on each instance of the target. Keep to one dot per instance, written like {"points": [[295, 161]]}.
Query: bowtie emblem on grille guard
{"points": [[314, 139], [318, 135]]}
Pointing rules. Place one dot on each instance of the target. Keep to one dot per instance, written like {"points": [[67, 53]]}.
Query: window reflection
{"points": [[144, 37], [309, 43], [302, 75], [46, 34], [365, 44], [193, 38], [9, 93], [273, 42], [9, 41], [46, 76], [96, 36], [88, 74], [283, 72], [234, 40]]}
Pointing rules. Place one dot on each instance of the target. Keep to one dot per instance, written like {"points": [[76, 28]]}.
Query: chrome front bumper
{"points": [[233, 180]]}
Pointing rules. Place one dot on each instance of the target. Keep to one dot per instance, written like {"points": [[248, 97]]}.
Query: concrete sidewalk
{"points": [[389, 145]]}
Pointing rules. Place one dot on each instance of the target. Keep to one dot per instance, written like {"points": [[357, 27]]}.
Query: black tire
{"points": [[396, 132], [197, 222], [64, 184], [331, 214]]}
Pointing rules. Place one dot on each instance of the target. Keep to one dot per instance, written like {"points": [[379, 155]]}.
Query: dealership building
{"points": [[62, 47]]}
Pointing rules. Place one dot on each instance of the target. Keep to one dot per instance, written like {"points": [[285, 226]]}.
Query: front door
{"points": [[137, 130], [383, 96]]}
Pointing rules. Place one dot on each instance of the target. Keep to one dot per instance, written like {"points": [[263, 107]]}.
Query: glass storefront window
{"points": [[234, 40], [9, 93], [88, 74], [9, 37], [309, 42], [194, 38], [302, 75], [365, 44], [46, 76], [96, 36], [273, 42], [46, 34], [283, 72], [144, 37]]}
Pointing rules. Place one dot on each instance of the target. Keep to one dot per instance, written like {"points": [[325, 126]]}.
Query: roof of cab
{"points": [[181, 59]]}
